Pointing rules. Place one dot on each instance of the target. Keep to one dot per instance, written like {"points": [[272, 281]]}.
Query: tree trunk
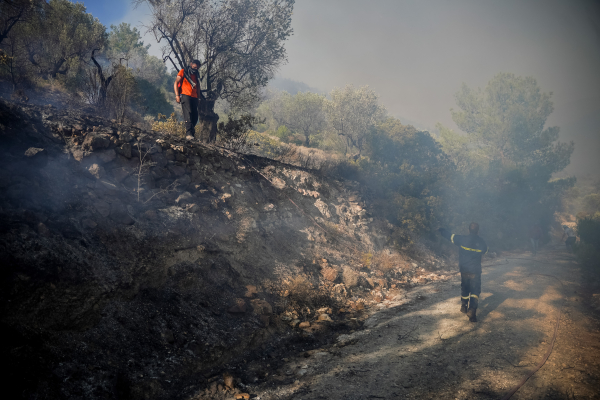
{"points": [[207, 120]]}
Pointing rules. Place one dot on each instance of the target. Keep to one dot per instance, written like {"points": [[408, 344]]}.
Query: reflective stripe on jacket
{"points": [[470, 250]]}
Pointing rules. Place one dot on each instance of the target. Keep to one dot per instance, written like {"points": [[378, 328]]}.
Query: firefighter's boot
{"points": [[471, 313], [464, 304]]}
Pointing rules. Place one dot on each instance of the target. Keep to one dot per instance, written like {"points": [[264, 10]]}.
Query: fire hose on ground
{"points": [[530, 373]]}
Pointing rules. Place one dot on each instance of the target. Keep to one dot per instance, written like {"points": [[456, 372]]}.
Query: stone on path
{"points": [[324, 317]]}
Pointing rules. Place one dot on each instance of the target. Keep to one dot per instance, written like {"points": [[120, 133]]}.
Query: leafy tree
{"points": [[304, 113], [239, 42], [14, 12], [122, 93], [125, 42], [271, 109], [457, 148], [97, 82], [14, 64], [588, 250], [352, 113], [407, 171], [591, 203], [153, 98], [60, 36], [506, 158], [506, 122]]}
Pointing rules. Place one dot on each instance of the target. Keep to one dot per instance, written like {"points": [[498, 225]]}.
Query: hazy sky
{"points": [[416, 54]]}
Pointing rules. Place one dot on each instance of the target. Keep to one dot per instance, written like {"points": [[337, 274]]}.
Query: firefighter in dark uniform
{"points": [[470, 250]]}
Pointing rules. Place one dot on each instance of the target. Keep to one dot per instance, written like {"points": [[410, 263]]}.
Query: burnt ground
{"points": [[423, 347], [136, 265], [118, 284]]}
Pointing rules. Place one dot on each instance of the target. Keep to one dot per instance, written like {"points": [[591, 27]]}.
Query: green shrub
{"points": [[282, 132], [169, 126], [588, 229], [234, 134], [588, 250], [152, 99], [591, 202]]}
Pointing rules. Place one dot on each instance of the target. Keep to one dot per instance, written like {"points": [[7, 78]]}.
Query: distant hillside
{"points": [[291, 86]]}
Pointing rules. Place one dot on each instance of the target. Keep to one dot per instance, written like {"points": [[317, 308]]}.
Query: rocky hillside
{"points": [[141, 266]]}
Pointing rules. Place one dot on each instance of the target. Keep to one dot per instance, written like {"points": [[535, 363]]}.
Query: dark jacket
{"points": [[470, 250]]}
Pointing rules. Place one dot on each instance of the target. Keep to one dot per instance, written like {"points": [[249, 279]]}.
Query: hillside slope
{"points": [[138, 266]]}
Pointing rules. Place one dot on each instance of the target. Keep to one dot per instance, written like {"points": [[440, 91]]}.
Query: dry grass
{"points": [[386, 261], [169, 125], [244, 225], [305, 157], [302, 295], [309, 158], [330, 274], [349, 276]]}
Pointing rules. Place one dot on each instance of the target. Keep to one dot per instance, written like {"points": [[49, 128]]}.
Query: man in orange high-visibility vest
{"points": [[186, 94], [471, 249]]}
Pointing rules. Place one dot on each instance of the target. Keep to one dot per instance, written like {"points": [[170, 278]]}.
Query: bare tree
{"points": [[110, 85], [239, 42], [97, 83], [122, 92]]}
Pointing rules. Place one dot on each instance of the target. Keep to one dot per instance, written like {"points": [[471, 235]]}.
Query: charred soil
{"points": [[136, 265]]}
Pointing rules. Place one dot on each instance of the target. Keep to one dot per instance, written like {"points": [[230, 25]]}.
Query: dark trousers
{"points": [[189, 108], [570, 242], [470, 288]]}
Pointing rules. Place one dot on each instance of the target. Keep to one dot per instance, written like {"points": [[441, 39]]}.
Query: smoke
{"points": [[417, 54]]}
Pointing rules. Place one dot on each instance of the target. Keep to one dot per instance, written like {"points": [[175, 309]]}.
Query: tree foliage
{"points": [[50, 43], [125, 75], [352, 113], [60, 36], [505, 159], [240, 44], [506, 122], [588, 250], [406, 171], [14, 12], [302, 113]]}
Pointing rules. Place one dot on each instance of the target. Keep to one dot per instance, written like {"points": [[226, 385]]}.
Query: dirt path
{"points": [[423, 347]]}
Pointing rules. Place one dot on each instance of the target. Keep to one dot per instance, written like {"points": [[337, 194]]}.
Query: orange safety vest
{"points": [[185, 86]]}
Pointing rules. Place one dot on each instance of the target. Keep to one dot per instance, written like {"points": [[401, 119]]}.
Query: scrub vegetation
{"points": [[169, 260], [58, 46], [498, 170]]}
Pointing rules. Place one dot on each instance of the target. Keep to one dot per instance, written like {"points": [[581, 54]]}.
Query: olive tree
{"points": [[352, 113], [240, 44], [59, 37], [303, 113], [14, 12]]}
